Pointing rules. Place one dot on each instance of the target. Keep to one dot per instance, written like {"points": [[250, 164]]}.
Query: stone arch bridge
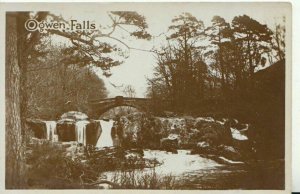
{"points": [[98, 107]]}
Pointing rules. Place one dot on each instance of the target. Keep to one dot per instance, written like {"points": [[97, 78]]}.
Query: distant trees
{"points": [[58, 87], [129, 91]]}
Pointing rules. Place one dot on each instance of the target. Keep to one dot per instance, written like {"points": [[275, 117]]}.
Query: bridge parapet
{"points": [[99, 106]]}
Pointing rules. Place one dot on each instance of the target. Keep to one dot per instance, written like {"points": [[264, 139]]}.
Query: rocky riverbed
{"points": [[202, 135], [185, 152]]}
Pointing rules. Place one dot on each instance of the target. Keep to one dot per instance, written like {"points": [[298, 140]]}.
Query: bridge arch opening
{"points": [[117, 111]]}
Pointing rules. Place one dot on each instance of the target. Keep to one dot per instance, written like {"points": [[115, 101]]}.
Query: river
{"points": [[192, 171]]}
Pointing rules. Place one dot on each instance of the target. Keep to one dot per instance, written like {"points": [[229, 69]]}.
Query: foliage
{"points": [[135, 179], [59, 70], [55, 87], [278, 41], [181, 73], [211, 65], [254, 38], [129, 91], [49, 168], [186, 26], [135, 19], [92, 47]]}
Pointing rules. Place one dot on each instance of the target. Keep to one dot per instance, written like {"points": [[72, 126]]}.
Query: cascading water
{"points": [[105, 139], [80, 128], [51, 130]]}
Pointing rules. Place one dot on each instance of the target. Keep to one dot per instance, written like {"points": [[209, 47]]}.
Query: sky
{"points": [[139, 65]]}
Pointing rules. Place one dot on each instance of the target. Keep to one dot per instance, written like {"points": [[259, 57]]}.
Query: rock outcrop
{"points": [[72, 126], [38, 127], [93, 132], [142, 130], [66, 131]]}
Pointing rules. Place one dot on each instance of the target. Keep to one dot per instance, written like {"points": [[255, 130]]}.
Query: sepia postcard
{"points": [[188, 97]]}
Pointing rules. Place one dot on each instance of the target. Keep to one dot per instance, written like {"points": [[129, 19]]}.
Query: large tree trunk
{"points": [[14, 176]]}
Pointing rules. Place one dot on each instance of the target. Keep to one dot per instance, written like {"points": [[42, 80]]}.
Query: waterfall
{"points": [[105, 139], [80, 129], [51, 130]]}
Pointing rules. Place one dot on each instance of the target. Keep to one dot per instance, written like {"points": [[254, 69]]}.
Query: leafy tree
{"points": [[181, 71], [186, 31], [278, 40], [219, 35], [254, 38]]}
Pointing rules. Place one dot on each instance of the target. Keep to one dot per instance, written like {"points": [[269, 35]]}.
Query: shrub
{"points": [[137, 179], [50, 168]]}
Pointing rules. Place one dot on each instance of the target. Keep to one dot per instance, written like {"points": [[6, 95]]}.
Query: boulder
{"points": [[232, 122], [140, 130], [66, 131], [202, 144], [125, 130], [204, 147], [229, 152], [213, 132], [242, 127], [66, 128], [169, 143], [93, 132], [133, 155]]}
